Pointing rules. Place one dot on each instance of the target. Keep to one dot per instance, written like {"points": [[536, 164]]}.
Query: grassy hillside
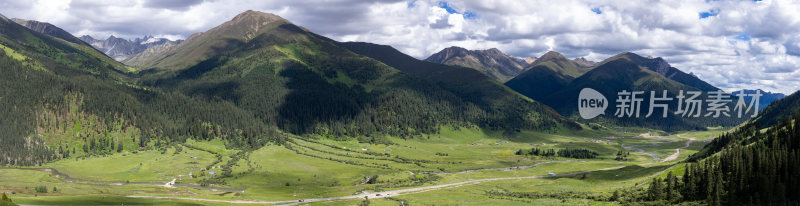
{"points": [[68, 96]]}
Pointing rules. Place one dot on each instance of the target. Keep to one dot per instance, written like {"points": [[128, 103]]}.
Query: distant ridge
{"points": [[47, 28], [491, 62], [121, 49], [765, 99]]}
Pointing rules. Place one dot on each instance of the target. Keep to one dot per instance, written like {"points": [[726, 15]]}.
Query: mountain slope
{"points": [[746, 166], [70, 95], [757, 166], [548, 74], [57, 51], [49, 29], [154, 52], [491, 62], [778, 110], [226, 38], [770, 116]]}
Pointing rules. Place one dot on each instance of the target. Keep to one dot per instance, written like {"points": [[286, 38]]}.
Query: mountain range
{"points": [[121, 49], [317, 81], [493, 62], [240, 81], [555, 80]]}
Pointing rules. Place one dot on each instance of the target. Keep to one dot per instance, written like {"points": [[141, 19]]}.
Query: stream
{"points": [[66, 178]]}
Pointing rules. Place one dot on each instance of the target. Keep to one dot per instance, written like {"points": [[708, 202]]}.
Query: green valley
{"points": [[258, 110]]}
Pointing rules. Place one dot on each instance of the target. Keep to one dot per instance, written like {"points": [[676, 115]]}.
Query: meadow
{"points": [[309, 167]]}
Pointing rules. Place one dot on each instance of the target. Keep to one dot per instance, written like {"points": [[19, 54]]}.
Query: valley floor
{"points": [[458, 166]]}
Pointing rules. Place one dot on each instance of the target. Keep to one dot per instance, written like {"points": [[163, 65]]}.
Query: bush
{"points": [[5, 198], [41, 189]]}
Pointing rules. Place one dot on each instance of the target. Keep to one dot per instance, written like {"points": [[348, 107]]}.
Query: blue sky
{"points": [[731, 44], [709, 13]]}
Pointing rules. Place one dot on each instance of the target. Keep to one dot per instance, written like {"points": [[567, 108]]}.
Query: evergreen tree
{"points": [[656, 190], [670, 189]]}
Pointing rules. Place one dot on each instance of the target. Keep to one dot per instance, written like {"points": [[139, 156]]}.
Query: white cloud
{"points": [[745, 44]]}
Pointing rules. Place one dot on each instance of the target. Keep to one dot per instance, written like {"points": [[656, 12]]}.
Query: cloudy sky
{"points": [[730, 44]]}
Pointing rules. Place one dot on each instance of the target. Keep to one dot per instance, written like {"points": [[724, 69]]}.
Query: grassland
{"points": [[315, 167]]}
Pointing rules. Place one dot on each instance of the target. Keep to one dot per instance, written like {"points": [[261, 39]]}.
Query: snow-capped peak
{"points": [[151, 40]]}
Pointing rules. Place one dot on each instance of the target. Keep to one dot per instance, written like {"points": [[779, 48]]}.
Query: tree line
{"points": [[567, 152]]}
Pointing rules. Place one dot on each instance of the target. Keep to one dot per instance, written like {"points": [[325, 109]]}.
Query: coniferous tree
{"points": [[656, 190]]}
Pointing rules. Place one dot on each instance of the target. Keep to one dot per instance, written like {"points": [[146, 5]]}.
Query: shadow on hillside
{"points": [[314, 100]]}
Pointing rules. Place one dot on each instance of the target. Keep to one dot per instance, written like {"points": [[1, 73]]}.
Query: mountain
{"points": [[765, 99], [661, 66], [153, 52], [47, 28], [491, 62], [548, 74], [120, 49], [227, 37], [308, 84], [630, 72]]}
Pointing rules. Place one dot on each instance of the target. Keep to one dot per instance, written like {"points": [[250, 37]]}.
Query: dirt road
{"points": [[678, 151]]}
